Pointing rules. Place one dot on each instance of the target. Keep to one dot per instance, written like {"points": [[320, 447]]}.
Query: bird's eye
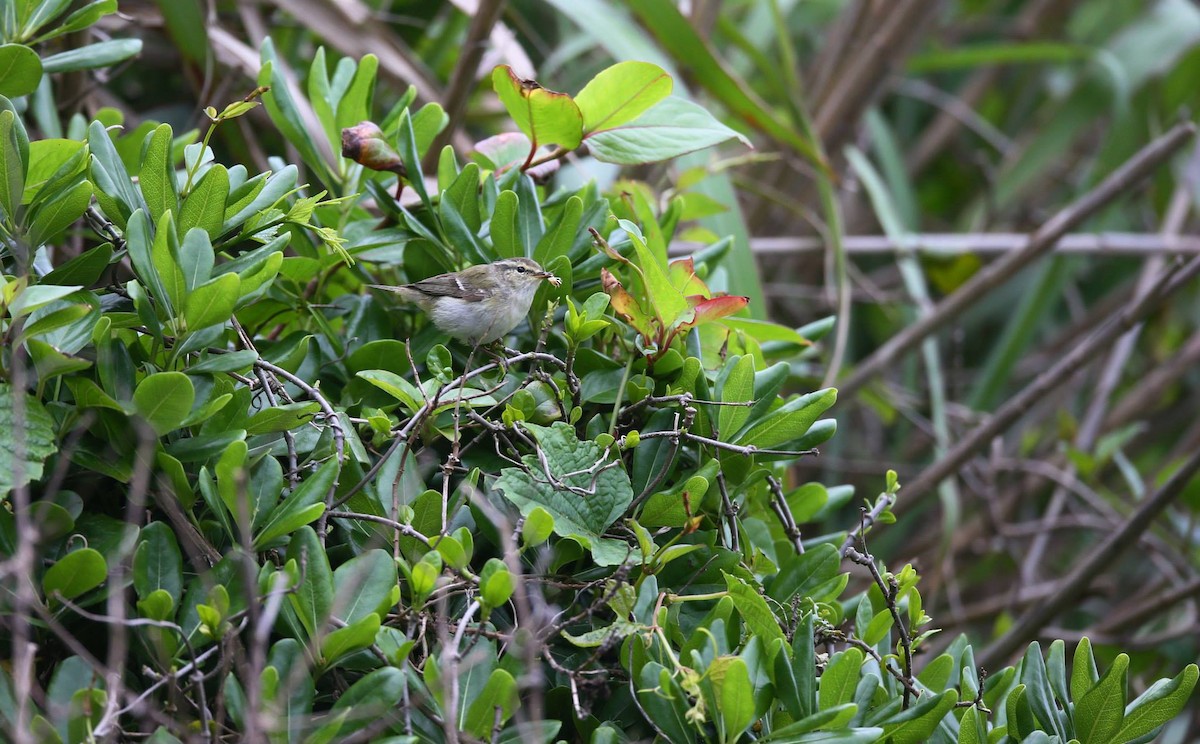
{"points": [[521, 269]]}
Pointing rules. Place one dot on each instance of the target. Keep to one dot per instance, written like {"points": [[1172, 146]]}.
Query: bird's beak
{"points": [[550, 278]]}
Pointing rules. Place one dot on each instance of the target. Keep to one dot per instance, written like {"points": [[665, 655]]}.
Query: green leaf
{"points": [[668, 302], [157, 175], [84, 269], [354, 637], [164, 400], [1083, 669], [496, 583], [14, 162], [369, 699], [802, 574], [753, 609], [832, 719], [500, 691], [204, 207], [196, 258], [734, 697], [1164, 700], [621, 93], [738, 387], [355, 104], [164, 254], [212, 302], [839, 679], [878, 628], [303, 506], [789, 421], [970, 728], [75, 573], [88, 394], [36, 296], [60, 213], [546, 117], [49, 362], [395, 386], [313, 598], [584, 513], [1039, 695], [82, 18], [665, 703], [157, 563], [363, 585], [917, 724], [672, 128], [276, 187], [20, 70], [537, 527], [1100, 712], [505, 241], [283, 417], [92, 56], [560, 238]]}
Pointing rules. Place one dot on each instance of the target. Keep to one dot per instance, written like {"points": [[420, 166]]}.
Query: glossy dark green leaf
{"points": [[84, 269], [157, 175], [157, 563], [354, 637], [212, 302], [164, 400], [14, 162], [500, 692], [75, 573], [789, 421], [1101, 711], [363, 585], [20, 70], [204, 207], [840, 678], [505, 240], [313, 598], [303, 506], [1164, 700]]}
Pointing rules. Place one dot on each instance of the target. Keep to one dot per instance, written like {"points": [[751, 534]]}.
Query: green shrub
{"points": [[246, 499]]}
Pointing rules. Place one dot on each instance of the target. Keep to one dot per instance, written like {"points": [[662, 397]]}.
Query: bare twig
{"points": [[1086, 571], [977, 438], [1040, 242]]}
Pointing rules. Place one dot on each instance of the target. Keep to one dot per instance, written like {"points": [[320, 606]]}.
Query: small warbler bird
{"points": [[479, 304]]}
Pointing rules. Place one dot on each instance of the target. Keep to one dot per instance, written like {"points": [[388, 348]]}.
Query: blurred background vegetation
{"points": [[902, 147]]}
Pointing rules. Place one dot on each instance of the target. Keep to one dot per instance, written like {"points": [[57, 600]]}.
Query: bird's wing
{"points": [[448, 285]]}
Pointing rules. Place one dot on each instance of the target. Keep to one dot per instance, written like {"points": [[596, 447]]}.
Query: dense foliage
{"points": [[248, 498]]}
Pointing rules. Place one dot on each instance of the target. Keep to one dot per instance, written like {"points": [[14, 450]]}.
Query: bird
{"points": [[481, 303]]}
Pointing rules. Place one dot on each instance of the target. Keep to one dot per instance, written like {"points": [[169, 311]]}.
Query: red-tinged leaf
{"points": [[682, 273], [626, 305], [715, 308], [545, 116]]}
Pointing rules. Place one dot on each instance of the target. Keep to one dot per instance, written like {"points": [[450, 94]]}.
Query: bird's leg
{"points": [[498, 353]]}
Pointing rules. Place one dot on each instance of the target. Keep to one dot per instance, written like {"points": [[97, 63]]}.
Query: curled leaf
{"points": [[706, 309], [365, 144], [626, 305]]}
